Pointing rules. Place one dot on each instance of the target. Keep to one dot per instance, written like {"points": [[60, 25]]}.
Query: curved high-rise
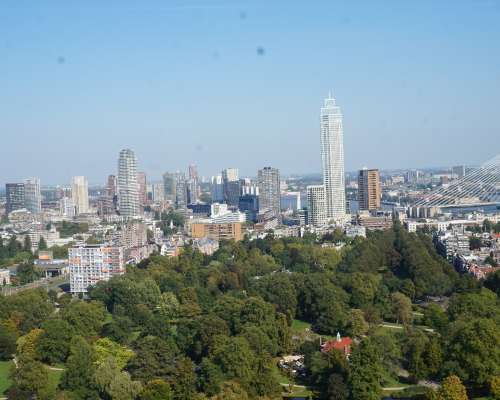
{"points": [[332, 158], [128, 187]]}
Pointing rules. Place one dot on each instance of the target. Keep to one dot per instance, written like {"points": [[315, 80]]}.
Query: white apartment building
{"points": [[89, 264], [80, 194], [219, 214], [217, 188], [128, 186], [67, 207], [332, 160], [317, 214], [32, 195]]}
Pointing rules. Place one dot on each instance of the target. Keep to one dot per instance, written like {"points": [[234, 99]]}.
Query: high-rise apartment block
{"points": [[158, 192], [458, 171], [269, 190], [316, 214], [193, 185], [231, 186], [67, 207], [217, 189], [181, 191], [249, 204], [128, 187], [15, 196], [80, 194], [369, 191], [143, 191], [332, 158], [32, 195], [91, 264], [169, 185], [111, 186]]}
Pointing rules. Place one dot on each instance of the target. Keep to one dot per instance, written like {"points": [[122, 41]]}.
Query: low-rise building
{"points": [[4, 276], [217, 231], [206, 245]]}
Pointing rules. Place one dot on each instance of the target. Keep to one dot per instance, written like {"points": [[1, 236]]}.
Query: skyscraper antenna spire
{"points": [[329, 94]]}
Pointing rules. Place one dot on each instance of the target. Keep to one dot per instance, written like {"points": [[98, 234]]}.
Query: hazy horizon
{"points": [[236, 84]]}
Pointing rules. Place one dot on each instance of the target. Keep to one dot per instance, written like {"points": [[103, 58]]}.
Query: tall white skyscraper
{"points": [[32, 195], [80, 194], [332, 158], [128, 187]]}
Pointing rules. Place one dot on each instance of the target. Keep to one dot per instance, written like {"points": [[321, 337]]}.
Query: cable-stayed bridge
{"points": [[479, 187]]}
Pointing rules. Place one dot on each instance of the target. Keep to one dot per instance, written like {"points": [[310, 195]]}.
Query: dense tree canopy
{"points": [[212, 327]]}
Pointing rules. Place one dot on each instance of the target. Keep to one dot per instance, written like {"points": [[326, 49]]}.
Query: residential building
{"points": [[412, 176], [14, 193], [32, 195], [206, 245], [373, 222], [231, 186], [181, 192], [219, 213], [67, 207], [268, 180], [332, 157], [248, 187], [169, 185], [458, 171], [303, 215], [200, 209], [249, 204], [193, 184], [90, 264], [217, 189], [80, 194], [217, 231], [291, 201], [128, 188], [143, 193], [158, 191], [4, 277], [317, 211], [369, 191], [340, 344], [111, 186]]}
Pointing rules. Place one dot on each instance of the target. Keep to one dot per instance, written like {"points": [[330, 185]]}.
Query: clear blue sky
{"points": [[183, 81]]}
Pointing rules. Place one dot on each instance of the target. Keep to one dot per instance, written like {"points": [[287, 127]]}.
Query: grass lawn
{"points": [[54, 378], [390, 382], [280, 377], [300, 326], [298, 392], [5, 382]]}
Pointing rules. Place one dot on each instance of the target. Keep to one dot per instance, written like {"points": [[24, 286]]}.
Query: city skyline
{"points": [[172, 112]]}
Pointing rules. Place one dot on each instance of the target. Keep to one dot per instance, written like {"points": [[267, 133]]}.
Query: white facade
{"points": [[317, 205], [230, 174], [158, 191], [80, 194], [4, 277], [128, 187], [219, 214], [93, 263], [67, 207], [332, 158], [32, 195]]}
